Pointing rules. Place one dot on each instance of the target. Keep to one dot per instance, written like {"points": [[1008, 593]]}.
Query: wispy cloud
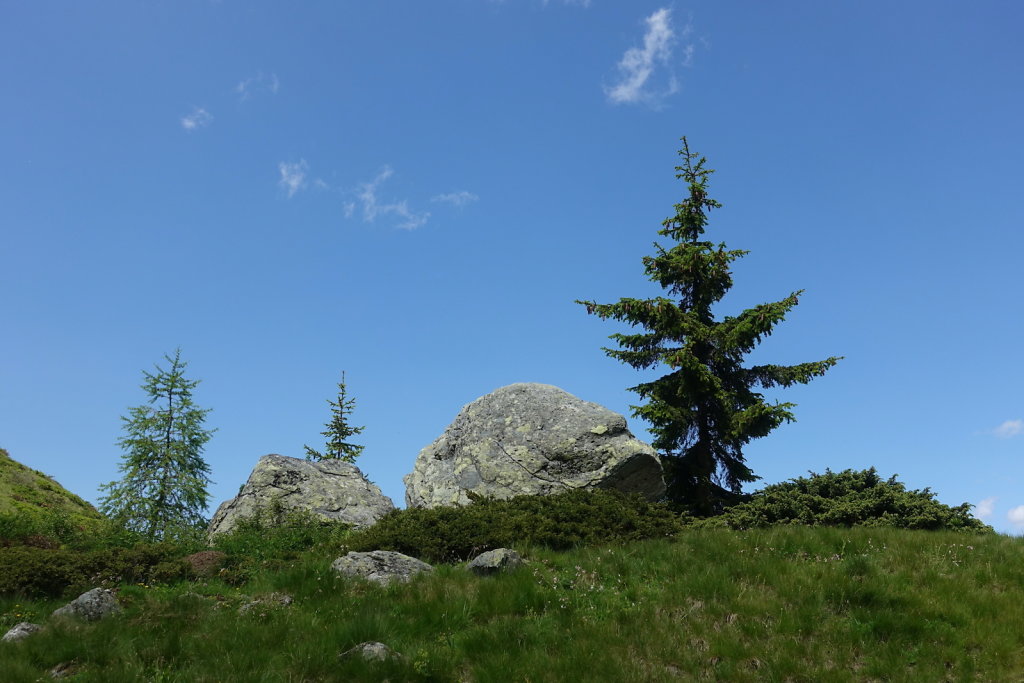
{"points": [[457, 199], [199, 118], [293, 176], [985, 508], [372, 207], [638, 65], [258, 84], [1016, 515], [1009, 429]]}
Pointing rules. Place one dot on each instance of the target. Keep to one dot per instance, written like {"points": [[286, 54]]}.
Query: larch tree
{"points": [[163, 488], [707, 407], [339, 431]]}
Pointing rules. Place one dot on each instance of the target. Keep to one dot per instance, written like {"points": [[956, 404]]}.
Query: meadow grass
{"points": [[780, 604]]}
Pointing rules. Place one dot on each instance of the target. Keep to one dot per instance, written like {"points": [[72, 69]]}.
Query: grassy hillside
{"points": [[24, 490], [789, 603]]}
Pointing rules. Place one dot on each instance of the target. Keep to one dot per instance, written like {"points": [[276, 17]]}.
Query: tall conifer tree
{"points": [[339, 430], [707, 407], [163, 490]]}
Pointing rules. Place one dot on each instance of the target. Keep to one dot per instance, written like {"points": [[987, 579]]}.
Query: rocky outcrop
{"points": [[495, 562], [90, 606], [331, 490], [532, 439], [380, 566]]}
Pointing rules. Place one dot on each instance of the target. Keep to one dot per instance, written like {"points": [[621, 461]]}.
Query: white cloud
{"points": [[638, 64], [256, 84], [985, 508], [199, 118], [1009, 429], [293, 176], [1016, 515], [366, 195], [457, 199]]}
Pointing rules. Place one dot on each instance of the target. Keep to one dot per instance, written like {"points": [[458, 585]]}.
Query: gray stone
{"points": [[267, 602], [381, 566], [21, 631], [66, 669], [90, 606], [495, 561], [330, 490], [532, 439], [372, 651]]}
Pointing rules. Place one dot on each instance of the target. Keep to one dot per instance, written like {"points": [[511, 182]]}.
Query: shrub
{"points": [[560, 522], [272, 534], [38, 572], [42, 528], [269, 538], [847, 498]]}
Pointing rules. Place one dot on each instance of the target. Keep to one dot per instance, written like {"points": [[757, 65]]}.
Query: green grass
{"points": [[780, 604]]}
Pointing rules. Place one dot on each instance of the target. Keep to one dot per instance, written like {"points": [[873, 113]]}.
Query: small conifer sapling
{"points": [[339, 431]]}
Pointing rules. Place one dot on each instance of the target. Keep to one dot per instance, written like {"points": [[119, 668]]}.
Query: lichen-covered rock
{"points": [[532, 439], [90, 606], [331, 490], [380, 566], [372, 651], [495, 561], [267, 602], [20, 631]]}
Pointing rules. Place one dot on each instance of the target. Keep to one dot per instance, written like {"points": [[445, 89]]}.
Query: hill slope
{"points": [[23, 489], [789, 603]]}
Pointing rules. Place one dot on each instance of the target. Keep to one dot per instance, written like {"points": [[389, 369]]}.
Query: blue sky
{"points": [[416, 193]]}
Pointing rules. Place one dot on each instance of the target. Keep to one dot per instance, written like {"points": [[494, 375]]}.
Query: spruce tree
{"points": [[163, 490], [338, 430], [707, 408]]}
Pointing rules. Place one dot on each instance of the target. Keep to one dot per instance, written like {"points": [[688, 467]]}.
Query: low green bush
{"points": [[41, 572], [42, 528], [272, 534], [847, 498], [563, 521], [270, 538]]}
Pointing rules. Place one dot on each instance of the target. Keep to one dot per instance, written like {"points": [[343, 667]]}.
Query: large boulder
{"points": [[532, 439], [331, 490]]}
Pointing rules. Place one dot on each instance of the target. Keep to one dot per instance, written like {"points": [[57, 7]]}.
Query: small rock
{"points": [[495, 561], [269, 601], [372, 651], [90, 606], [381, 566], [207, 562], [65, 669], [21, 631]]}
